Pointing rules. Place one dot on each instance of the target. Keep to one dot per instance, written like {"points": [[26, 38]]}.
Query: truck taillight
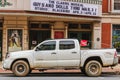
{"points": [[115, 55]]}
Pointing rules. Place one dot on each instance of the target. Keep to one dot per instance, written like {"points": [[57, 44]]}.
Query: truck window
{"points": [[48, 45], [66, 45]]}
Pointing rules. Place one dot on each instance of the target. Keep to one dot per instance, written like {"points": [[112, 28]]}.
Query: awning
{"points": [[71, 18]]}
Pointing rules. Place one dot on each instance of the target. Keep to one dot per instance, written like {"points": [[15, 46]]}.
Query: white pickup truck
{"points": [[60, 54]]}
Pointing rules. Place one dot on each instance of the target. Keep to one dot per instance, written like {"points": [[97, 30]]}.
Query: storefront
{"points": [[26, 26]]}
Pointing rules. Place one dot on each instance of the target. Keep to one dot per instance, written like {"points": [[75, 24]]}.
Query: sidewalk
{"points": [[115, 70]]}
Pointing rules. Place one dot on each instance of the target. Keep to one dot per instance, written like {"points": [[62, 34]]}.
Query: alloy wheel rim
{"points": [[20, 68], [94, 68]]}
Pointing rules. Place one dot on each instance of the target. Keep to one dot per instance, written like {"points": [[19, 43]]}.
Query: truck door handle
{"points": [[53, 53], [74, 52]]}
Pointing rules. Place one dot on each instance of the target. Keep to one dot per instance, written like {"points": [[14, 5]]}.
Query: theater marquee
{"points": [[65, 7]]}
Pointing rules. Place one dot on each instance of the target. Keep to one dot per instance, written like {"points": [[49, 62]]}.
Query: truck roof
{"points": [[62, 39]]}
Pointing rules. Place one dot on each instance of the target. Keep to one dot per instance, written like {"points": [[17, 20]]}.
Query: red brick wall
{"points": [[105, 6], [110, 5], [106, 35]]}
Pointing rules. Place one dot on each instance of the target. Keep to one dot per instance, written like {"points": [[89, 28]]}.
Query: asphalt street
{"points": [[60, 76]]}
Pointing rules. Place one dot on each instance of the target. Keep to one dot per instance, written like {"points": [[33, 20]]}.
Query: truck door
{"points": [[68, 54], [45, 55]]}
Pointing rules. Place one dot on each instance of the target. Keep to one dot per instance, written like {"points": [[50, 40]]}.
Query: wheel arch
{"points": [[24, 59], [97, 58]]}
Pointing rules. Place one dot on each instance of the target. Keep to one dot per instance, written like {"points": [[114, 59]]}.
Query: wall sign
{"points": [[58, 34], [65, 7], [83, 43]]}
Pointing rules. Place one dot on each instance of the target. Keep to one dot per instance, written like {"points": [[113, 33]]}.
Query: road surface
{"points": [[60, 76]]}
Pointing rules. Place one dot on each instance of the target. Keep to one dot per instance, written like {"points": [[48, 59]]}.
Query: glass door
{"points": [[37, 36], [0, 45], [116, 37]]}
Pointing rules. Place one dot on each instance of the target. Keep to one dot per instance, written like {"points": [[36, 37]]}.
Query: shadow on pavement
{"points": [[60, 74]]}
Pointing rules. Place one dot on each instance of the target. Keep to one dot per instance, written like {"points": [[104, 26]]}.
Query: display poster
{"points": [[14, 40]]}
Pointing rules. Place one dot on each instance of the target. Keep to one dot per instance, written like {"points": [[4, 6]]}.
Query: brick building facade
{"points": [[111, 24]]}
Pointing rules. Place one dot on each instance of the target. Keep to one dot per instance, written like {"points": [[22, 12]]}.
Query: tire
{"points": [[83, 70], [93, 68], [20, 68], [30, 71]]}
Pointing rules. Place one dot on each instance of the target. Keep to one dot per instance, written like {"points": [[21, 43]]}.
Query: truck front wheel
{"points": [[93, 68], [20, 68]]}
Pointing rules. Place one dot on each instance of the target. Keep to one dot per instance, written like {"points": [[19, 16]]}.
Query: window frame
{"points": [[48, 42], [70, 41], [113, 6]]}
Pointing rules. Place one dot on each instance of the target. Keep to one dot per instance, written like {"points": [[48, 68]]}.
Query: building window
{"points": [[116, 37], [73, 26], [40, 25], [85, 26], [34, 25], [79, 26], [116, 4], [45, 26]]}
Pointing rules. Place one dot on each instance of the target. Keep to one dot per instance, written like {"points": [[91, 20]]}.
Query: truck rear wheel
{"points": [[93, 68], [20, 68]]}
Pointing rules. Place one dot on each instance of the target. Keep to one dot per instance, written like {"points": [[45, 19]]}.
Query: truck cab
{"points": [[57, 54]]}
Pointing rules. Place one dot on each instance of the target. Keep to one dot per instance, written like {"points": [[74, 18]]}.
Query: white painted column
{"points": [[97, 35], [52, 32], [66, 31]]}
